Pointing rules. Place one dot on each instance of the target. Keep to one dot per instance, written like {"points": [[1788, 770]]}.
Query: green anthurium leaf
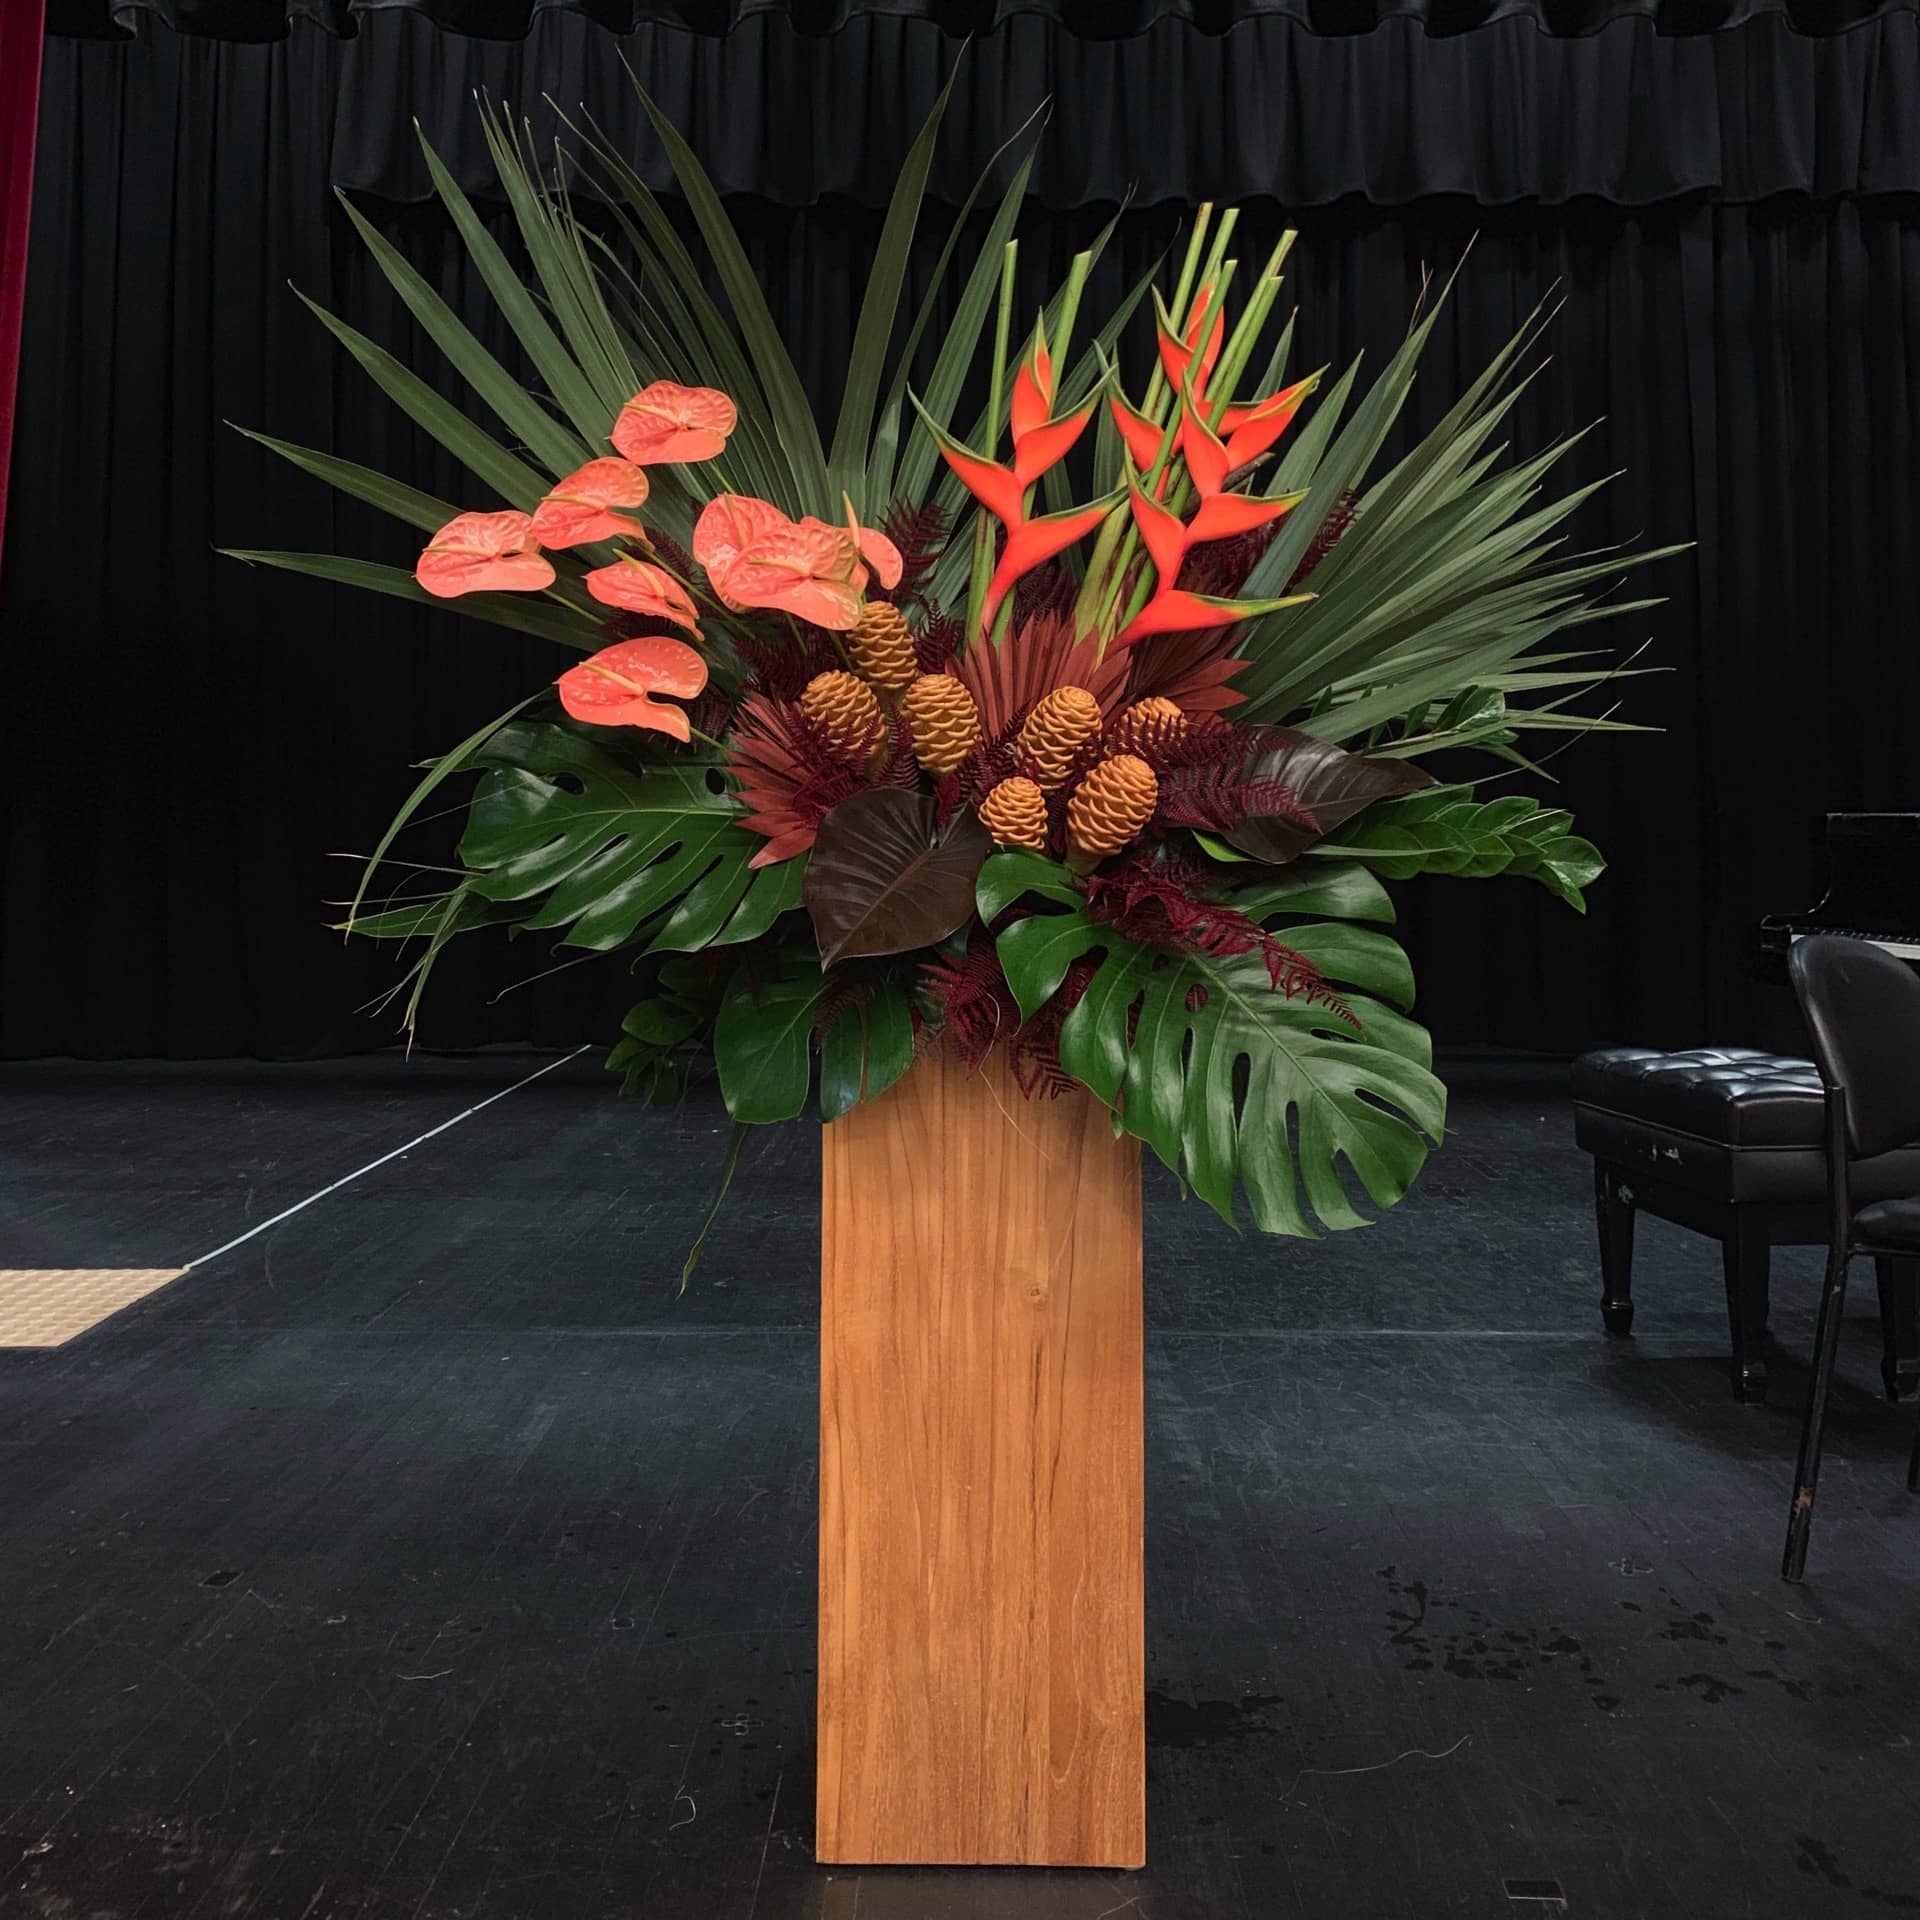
{"points": [[866, 1049], [606, 849], [1239, 1086], [763, 1040]]}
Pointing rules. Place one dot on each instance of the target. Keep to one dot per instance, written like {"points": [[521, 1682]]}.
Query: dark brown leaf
{"points": [[1331, 783], [884, 878]]}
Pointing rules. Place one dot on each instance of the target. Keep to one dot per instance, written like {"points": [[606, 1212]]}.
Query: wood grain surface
{"points": [[981, 1608]]}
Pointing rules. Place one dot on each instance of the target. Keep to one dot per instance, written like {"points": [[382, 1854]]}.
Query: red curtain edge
{"points": [[22, 25]]}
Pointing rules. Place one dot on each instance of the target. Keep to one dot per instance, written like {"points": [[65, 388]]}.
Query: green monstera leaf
{"points": [[1235, 1085], [611, 851]]}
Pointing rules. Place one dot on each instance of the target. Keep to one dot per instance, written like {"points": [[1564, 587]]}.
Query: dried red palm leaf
{"points": [[788, 777], [1008, 680]]}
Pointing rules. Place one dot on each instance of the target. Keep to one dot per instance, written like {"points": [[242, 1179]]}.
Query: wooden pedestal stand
{"points": [[982, 1676]]}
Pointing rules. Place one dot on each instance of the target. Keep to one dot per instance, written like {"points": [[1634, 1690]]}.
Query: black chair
{"points": [[1862, 1007]]}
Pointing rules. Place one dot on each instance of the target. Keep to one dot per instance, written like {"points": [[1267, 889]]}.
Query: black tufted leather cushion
{"points": [[1738, 1095], [1890, 1223], [1729, 1123]]}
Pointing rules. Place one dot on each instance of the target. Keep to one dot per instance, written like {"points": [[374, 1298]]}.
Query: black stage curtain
{"points": [[189, 742], [1085, 19]]}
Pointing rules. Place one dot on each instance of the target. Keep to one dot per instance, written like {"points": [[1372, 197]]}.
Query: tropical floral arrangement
{"points": [[1048, 706]]}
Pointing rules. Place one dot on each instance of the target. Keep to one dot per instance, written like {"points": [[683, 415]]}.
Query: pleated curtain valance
{"points": [[1502, 116], [1093, 19]]}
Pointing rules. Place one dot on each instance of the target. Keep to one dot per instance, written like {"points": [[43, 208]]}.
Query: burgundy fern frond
{"points": [[902, 770], [937, 645], [972, 1000], [921, 533], [1221, 566], [1338, 520], [779, 667], [1217, 799], [1034, 1052], [1046, 590], [1158, 902]]}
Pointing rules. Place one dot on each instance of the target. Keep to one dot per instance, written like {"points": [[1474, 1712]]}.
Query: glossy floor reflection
{"points": [[430, 1556]]}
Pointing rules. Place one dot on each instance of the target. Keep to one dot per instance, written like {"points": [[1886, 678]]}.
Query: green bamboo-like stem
{"points": [[996, 386], [1070, 308]]}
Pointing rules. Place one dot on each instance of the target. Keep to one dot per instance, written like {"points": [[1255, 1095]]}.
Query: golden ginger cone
{"points": [[1111, 804], [1015, 813], [881, 646], [944, 721], [1053, 734], [1148, 728], [845, 710]]}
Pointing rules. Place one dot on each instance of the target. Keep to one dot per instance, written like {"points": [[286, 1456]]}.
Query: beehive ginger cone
{"points": [[881, 646], [1053, 734], [944, 722], [1111, 805], [1015, 813], [847, 714]]}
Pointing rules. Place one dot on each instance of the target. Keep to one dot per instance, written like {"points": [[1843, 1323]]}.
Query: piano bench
{"points": [[1730, 1141]]}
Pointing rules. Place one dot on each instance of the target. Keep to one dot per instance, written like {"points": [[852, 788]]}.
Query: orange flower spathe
{"points": [[615, 688], [669, 425], [638, 586], [484, 553], [594, 502], [756, 557]]}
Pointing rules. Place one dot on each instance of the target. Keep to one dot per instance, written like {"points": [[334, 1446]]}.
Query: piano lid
{"points": [[1873, 884]]}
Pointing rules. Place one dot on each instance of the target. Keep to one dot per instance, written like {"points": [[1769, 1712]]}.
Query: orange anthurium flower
{"points": [[639, 586], [593, 502], [729, 523], [668, 425], [756, 557], [616, 687], [875, 548], [484, 553]]}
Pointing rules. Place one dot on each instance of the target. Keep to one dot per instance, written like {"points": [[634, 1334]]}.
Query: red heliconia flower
{"points": [[594, 502], [484, 553], [1251, 430], [668, 425], [639, 586], [615, 688], [1040, 443], [1177, 352]]}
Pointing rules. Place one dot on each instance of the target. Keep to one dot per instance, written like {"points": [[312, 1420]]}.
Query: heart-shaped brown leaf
{"points": [[884, 878], [1331, 783]]}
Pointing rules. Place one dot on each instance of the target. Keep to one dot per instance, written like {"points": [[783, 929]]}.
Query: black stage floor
{"points": [[426, 1556]]}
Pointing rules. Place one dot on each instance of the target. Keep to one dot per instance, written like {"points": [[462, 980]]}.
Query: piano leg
{"points": [[1744, 1254], [1899, 1327], [1613, 1212]]}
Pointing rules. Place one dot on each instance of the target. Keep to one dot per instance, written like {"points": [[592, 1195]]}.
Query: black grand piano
{"points": [[1873, 890]]}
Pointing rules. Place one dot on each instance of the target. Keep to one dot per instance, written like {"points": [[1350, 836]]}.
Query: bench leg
{"points": [[1899, 1327], [1613, 1212], [1744, 1254]]}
